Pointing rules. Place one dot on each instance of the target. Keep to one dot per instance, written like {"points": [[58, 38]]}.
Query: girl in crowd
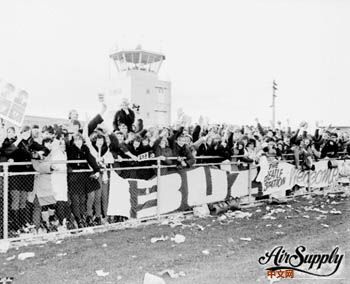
{"points": [[59, 181], [83, 183], [18, 149], [42, 194], [98, 146]]}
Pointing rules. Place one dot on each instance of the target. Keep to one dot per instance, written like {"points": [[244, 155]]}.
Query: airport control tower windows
{"points": [[138, 60]]}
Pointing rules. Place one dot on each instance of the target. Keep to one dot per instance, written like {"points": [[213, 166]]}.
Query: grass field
{"points": [[128, 254]]}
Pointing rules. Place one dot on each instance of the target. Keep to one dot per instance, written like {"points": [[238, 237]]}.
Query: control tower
{"points": [[138, 81]]}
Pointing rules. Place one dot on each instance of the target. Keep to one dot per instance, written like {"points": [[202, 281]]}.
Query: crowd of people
{"points": [[67, 193]]}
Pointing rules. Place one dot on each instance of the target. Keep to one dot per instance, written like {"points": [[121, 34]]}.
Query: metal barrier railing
{"points": [[6, 175]]}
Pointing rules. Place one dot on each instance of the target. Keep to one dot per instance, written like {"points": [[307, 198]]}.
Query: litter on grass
{"points": [[178, 239], [335, 212], [62, 254], [171, 273], [25, 255], [101, 273], [246, 239], [4, 246], [152, 279], [161, 238], [268, 217]]}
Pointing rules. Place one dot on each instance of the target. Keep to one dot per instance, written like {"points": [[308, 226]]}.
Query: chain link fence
{"points": [[59, 201]]}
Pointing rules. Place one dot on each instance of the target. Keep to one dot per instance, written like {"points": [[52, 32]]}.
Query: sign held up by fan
{"points": [[13, 103]]}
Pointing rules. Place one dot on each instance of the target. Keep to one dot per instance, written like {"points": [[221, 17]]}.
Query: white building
{"points": [[138, 81]]}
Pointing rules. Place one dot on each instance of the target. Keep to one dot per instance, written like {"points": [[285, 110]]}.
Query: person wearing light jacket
{"points": [[59, 180], [42, 194]]}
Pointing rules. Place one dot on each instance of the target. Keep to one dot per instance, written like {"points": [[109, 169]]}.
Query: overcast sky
{"points": [[222, 56]]}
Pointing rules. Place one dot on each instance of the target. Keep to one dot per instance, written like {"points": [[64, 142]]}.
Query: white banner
{"points": [[178, 191], [13, 103], [281, 176]]}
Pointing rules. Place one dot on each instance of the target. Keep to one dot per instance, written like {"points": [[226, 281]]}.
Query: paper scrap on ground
{"points": [[11, 258], [178, 239], [268, 216], [172, 273], [152, 279], [101, 273], [62, 254], [24, 255], [161, 238], [246, 239], [239, 214], [335, 212], [222, 218], [4, 246], [206, 252]]}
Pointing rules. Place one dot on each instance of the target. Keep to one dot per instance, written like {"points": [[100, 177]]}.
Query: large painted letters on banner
{"points": [[281, 176], [178, 191]]}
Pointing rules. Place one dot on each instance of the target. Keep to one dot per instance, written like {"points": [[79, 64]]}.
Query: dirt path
{"points": [[129, 253]]}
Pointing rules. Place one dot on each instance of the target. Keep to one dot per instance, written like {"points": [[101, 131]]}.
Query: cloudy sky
{"points": [[222, 56]]}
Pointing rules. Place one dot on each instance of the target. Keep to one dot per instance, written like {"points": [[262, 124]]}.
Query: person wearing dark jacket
{"points": [[184, 156], [18, 149], [81, 184], [163, 150], [330, 149], [217, 148], [135, 148], [124, 116]]}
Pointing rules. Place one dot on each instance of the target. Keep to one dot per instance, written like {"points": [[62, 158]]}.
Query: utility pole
{"points": [[274, 89]]}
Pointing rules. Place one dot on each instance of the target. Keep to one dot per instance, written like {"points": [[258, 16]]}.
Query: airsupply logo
{"points": [[282, 264]]}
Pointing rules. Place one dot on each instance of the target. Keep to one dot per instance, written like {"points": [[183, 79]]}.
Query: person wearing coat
{"points": [[18, 149], [184, 156], [42, 194], [163, 150], [124, 116], [99, 198], [59, 180], [82, 183]]}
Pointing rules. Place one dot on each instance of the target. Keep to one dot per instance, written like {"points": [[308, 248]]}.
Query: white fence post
{"points": [[308, 182], [249, 184], [5, 196], [158, 186]]}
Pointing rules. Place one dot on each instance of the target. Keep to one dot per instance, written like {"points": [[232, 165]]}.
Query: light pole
{"points": [[274, 89]]}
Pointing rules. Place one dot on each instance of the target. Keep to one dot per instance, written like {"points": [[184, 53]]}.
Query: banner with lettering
{"points": [[181, 190], [281, 176], [143, 156], [178, 191], [322, 176]]}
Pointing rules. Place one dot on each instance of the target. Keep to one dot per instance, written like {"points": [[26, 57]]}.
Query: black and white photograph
{"points": [[184, 142]]}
